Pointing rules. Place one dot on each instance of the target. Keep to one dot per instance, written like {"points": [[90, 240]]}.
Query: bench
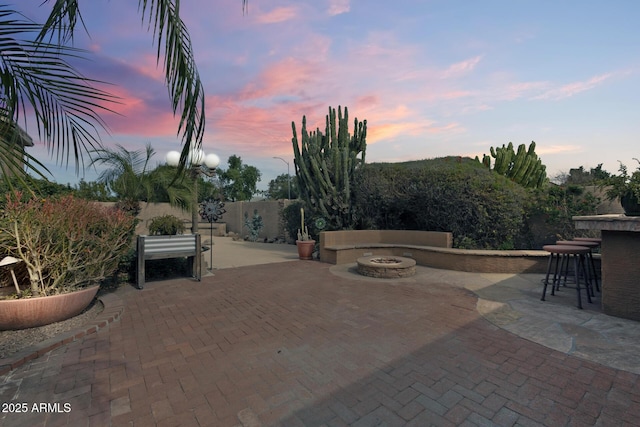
{"points": [[428, 248], [342, 247], [164, 247]]}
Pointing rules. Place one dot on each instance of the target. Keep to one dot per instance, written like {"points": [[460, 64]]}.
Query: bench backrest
{"points": [[406, 237], [167, 246], [162, 247]]}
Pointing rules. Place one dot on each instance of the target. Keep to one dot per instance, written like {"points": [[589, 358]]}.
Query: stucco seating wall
{"points": [[429, 249]]}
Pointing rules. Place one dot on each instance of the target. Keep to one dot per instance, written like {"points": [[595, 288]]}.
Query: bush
{"points": [[166, 225], [481, 208], [64, 242], [550, 211]]}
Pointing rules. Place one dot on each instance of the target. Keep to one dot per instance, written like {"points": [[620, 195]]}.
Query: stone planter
{"points": [[31, 312], [305, 248]]}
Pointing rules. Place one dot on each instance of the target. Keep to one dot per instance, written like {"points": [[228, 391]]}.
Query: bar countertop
{"points": [[613, 222]]}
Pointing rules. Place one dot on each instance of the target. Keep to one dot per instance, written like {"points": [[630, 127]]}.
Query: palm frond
{"points": [[181, 74], [38, 76]]}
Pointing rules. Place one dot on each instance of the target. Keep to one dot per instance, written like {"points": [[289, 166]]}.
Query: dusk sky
{"points": [[432, 78]]}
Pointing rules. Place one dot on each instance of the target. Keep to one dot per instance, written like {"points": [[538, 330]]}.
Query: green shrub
{"points": [[481, 208], [166, 225], [550, 211]]}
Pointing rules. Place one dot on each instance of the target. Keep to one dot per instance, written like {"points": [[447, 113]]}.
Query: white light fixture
{"points": [[173, 158], [10, 262], [199, 158], [211, 161]]}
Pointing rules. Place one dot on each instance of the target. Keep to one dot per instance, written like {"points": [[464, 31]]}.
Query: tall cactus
{"points": [[523, 167], [325, 165]]}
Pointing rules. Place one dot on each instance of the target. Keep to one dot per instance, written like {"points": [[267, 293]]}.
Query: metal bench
{"points": [[163, 247]]}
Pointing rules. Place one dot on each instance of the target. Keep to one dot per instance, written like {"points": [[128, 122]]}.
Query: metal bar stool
{"points": [[579, 254], [597, 240], [591, 269]]}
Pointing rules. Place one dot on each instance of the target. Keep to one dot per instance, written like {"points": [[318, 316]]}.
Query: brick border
{"points": [[113, 309]]}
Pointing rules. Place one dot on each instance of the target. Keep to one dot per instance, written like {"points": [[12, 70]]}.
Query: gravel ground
{"points": [[13, 341]]}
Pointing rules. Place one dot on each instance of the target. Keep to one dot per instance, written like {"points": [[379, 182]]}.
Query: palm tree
{"points": [[36, 74], [127, 174], [129, 178]]}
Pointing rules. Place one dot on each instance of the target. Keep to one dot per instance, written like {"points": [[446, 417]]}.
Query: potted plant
{"points": [[305, 243], [626, 188], [67, 245]]}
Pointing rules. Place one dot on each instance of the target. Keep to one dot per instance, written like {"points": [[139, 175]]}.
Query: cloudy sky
{"points": [[431, 77]]}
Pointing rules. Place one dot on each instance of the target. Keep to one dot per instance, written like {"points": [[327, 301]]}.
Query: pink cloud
{"points": [[338, 7], [557, 149], [572, 89], [460, 68], [280, 14]]}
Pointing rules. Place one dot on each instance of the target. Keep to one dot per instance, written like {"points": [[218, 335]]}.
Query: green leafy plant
{"points": [[623, 184], [549, 212], [482, 209], [253, 224], [65, 243], [166, 225]]}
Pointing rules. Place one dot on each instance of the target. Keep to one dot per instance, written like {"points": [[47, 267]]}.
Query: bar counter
{"points": [[620, 260]]}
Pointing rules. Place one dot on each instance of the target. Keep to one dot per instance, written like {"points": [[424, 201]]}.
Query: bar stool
{"points": [[597, 240], [592, 265], [579, 254]]}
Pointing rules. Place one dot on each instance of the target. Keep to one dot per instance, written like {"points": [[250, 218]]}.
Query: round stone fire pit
{"points": [[386, 266]]}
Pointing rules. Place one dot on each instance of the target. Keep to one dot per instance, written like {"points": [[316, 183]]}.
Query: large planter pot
{"points": [[630, 204], [31, 312], [305, 248]]}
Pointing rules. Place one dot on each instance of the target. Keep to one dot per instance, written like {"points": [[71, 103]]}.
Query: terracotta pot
{"points": [[31, 312], [305, 248]]}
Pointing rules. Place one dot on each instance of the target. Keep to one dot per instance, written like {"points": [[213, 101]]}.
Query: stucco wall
{"points": [[232, 220]]}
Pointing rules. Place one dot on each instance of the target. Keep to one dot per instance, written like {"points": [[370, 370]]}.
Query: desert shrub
{"points": [[481, 208], [166, 225], [549, 211], [254, 225], [64, 242]]}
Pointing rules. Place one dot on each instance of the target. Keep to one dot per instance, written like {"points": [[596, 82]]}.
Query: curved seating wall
{"points": [[428, 248]]}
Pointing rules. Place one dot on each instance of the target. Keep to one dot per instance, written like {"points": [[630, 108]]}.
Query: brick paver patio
{"points": [[292, 344]]}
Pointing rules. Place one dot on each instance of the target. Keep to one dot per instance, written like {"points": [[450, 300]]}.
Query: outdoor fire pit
{"points": [[386, 266]]}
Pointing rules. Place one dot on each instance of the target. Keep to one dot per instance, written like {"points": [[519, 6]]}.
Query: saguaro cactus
{"points": [[325, 165], [523, 167]]}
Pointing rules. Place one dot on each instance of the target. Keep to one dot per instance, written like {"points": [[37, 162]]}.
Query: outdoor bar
{"points": [[620, 262]]}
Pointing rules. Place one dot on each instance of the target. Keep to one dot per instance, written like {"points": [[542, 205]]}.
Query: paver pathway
{"points": [[292, 344]]}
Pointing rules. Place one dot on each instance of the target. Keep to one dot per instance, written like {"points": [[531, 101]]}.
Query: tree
{"points": [[36, 73], [279, 187], [239, 181], [129, 178], [93, 190], [167, 187]]}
